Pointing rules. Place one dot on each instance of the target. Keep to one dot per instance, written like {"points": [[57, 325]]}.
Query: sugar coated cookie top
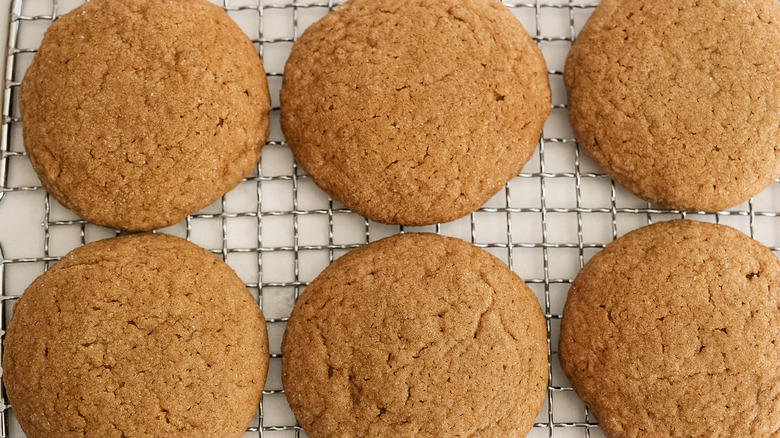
{"points": [[679, 100], [416, 335], [141, 335], [414, 111], [673, 330], [137, 113]]}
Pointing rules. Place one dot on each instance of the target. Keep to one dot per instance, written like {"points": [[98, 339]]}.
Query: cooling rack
{"points": [[278, 231]]}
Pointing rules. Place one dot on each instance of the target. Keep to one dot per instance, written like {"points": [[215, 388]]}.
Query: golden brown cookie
{"points": [[416, 335], [673, 330], [141, 335], [679, 100], [137, 113], [414, 112]]}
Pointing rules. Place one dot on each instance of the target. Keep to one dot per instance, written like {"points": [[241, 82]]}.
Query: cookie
{"points": [[679, 101], [137, 113], [673, 330], [141, 335], [416, 335], [414, 112]]}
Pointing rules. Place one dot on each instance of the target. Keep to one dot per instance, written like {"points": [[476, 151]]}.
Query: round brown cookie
{"points": [[416, 335], [673, 330], [679, 100], [139, 112], [414, 112], [141, 335]]}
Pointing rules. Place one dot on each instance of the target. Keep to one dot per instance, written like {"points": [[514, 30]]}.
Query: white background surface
{"points": [[5, 6], [545, 223]]}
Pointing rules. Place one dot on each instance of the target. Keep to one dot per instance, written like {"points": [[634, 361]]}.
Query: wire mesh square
{"points": [[278, 231]]}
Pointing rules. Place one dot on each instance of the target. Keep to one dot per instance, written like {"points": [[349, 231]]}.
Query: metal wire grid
{"points": [[545, 223]]}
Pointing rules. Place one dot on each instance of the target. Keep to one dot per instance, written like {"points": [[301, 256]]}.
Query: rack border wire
{"points": [[266, 286]]}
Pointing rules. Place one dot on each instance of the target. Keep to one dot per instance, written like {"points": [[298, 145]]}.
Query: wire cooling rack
{"points": [[278, 231]]}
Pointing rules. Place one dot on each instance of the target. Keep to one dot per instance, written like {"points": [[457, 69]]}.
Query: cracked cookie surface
{"points": [[136, 336], [679, 101], [137, 113], [414, 111], [673, 330], [416, 335]]}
